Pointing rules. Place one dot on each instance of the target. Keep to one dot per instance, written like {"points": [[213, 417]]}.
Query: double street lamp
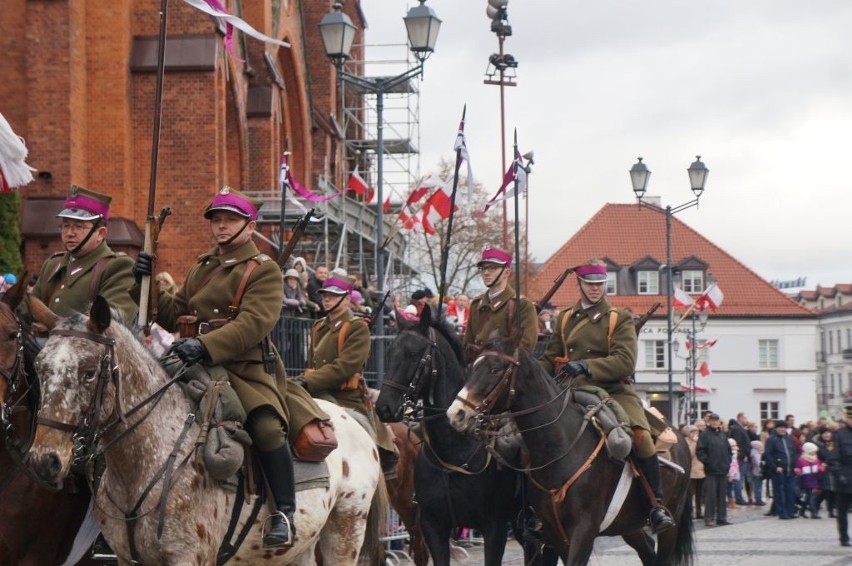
{"points": [[338, 33], [639, 175]]}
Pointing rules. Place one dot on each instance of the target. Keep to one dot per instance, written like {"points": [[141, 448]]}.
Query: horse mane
{"points": [[445, 329]]}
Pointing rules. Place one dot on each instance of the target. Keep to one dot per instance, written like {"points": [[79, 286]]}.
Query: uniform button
{"points": [[215, 311], [56, 300], [62, 286]]}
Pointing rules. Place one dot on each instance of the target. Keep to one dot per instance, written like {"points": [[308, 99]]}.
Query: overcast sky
{"points": [[762, 90]]}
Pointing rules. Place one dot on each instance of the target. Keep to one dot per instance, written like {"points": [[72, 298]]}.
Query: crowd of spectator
{"points": [[794, 468]]}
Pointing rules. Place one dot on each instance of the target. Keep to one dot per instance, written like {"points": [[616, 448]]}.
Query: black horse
{"points": [[456, 481], [574, 480]]}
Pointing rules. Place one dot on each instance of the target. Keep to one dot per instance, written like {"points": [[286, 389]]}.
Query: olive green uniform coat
{"points": [[489, 316], [64, 283], [237, 345], [330, 369], [609, 364]]}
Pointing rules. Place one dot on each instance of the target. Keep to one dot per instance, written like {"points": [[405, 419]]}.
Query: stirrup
{"points": [[263, 533], [665, 523]]}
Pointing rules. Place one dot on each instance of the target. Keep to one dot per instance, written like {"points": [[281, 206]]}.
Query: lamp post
{"points": [[690, 409], [338, 32], [639, 175], [504, 65]]}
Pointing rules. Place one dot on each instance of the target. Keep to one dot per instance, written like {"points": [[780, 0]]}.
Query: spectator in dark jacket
{"points": [[825, 444], [840, 466], [315, 282], [714, 452], [781, 456]]}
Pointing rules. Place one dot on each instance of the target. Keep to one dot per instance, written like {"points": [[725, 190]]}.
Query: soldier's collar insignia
{"points": [[226, 190], [596, 316]]}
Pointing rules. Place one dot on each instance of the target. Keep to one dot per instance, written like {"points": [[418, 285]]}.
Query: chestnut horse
{"points": [[104, 394], [574, 480], [37, 525], [401, 490]]}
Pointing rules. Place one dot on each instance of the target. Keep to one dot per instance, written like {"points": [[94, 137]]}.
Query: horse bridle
{"points": [[425, 368]]}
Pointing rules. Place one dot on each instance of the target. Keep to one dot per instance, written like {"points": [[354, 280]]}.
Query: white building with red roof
{"points": [[758, 346]]}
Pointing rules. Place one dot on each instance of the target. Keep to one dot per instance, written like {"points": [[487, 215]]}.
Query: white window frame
{"points": [[648, 282], [692, 281], [768, 353], [655, 354], [611, 283], [769, 410]]}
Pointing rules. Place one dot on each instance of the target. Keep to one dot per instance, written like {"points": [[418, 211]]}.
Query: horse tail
{"points": [[684, 550], [372, 550]]}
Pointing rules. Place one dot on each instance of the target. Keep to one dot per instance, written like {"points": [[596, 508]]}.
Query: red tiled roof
{"points": [[826, 292], [625, 233]]}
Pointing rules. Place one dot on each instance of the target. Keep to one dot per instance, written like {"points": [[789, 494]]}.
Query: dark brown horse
{"points": [[574, 480], [37, 526], [401, 490]]}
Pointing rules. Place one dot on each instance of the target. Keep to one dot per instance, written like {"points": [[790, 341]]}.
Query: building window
{"points": [[702, 407], [692, 281], [830, 342], [768, 410], [648, 283], [767, 354], [839, 345], [611, 286], [849, 337], [655, 354]]}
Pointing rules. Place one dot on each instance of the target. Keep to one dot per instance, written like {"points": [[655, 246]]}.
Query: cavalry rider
{"points": [[495, 311], [340, 347], [71, 279], [236, 292], [597, 344]]}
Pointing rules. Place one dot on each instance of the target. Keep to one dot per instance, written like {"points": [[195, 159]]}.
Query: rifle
{"points": [[298, 232], [640, 322], [557, 283], [378, 312]]}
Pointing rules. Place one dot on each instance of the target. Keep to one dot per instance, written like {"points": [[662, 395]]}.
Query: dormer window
{"points": [[648, 282], [692, 281], [611, 286]]}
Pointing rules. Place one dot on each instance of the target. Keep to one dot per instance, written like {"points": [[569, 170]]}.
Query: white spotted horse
{"points": [[104, 394], [574, 482]]}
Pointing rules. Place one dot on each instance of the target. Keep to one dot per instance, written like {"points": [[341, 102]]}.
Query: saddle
{"points": [[608, 417]]}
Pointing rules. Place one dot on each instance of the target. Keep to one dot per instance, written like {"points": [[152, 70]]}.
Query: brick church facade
{"points": [[79, 81]]}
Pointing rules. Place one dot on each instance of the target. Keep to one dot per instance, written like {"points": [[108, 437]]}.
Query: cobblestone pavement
{"points": [[752, 540]]}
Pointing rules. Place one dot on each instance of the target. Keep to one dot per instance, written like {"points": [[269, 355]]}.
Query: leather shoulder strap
{"points": [[238, 296], [613, 319], [96, 277], [342, 336]]}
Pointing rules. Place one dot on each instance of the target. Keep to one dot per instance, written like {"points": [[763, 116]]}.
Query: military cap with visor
{"points": [[232, 200], [495, 256], [592, 273], [336, 286], [85, 205]]}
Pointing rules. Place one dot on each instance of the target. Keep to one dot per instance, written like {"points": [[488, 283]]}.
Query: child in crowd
{"points": [[756, 461], [734, 476], [808, 467]]}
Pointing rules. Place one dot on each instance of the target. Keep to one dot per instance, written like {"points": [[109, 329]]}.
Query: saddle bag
{"points": [[315, 441]]}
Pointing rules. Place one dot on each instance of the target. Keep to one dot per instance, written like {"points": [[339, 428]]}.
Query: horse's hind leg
{"points": [[643, 544]]}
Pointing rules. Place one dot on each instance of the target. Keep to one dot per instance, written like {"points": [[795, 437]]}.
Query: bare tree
{"points": [[471, 234]]}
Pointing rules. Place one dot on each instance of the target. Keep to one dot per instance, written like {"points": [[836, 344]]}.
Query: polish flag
{"points": [[681, 300], [698, 388], [357, 184], [437, 208], [704, 370], [386, 206], [711, 298]]}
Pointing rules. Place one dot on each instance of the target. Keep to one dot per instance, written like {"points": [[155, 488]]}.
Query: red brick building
{"points": [[79, 82]]}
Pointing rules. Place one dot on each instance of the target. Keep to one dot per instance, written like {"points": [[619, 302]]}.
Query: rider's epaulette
{"points": [[56, 254], [260, 258]]}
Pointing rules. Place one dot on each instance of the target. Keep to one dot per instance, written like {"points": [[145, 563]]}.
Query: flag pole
{"points": [[518, 309], [445, 252]]}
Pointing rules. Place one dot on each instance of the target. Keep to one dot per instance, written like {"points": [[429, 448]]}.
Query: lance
{"points": [[445, 251], [515, 165], [150, 220]]}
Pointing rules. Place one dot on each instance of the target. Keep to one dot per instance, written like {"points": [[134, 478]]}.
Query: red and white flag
{"points": [[681, 300], [698, 388], [461, 148], [704, 369], [357, 184], [515, 172], [437, 208], [711, 298]]}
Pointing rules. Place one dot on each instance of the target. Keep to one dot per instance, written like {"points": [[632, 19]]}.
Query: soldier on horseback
{"points": [[596, 343], [223, 311], [496, 309], [340, 347]]}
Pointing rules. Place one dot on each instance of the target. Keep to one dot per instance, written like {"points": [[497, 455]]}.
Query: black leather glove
{"points": [[573, 369], [144, 266], [190, 350]]}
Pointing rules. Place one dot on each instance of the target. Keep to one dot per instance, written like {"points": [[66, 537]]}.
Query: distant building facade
{"points": [[762, 361]]}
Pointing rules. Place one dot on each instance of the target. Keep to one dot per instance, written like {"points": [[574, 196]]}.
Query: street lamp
{"points": [[639, 175], [338, 32], [691, 407]]}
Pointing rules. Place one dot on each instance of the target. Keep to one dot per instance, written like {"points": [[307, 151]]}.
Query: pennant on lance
{"points": [[460, 147], [14, 172]]}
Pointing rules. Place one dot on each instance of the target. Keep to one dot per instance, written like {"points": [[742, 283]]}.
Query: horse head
{"points": [[78, 372], [11, 339], [422, 350]]}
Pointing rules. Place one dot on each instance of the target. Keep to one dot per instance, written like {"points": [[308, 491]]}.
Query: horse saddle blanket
{"points": [[310, 475]]}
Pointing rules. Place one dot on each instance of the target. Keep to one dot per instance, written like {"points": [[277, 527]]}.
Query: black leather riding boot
{"points": [[278, 469], [660, 517]]}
